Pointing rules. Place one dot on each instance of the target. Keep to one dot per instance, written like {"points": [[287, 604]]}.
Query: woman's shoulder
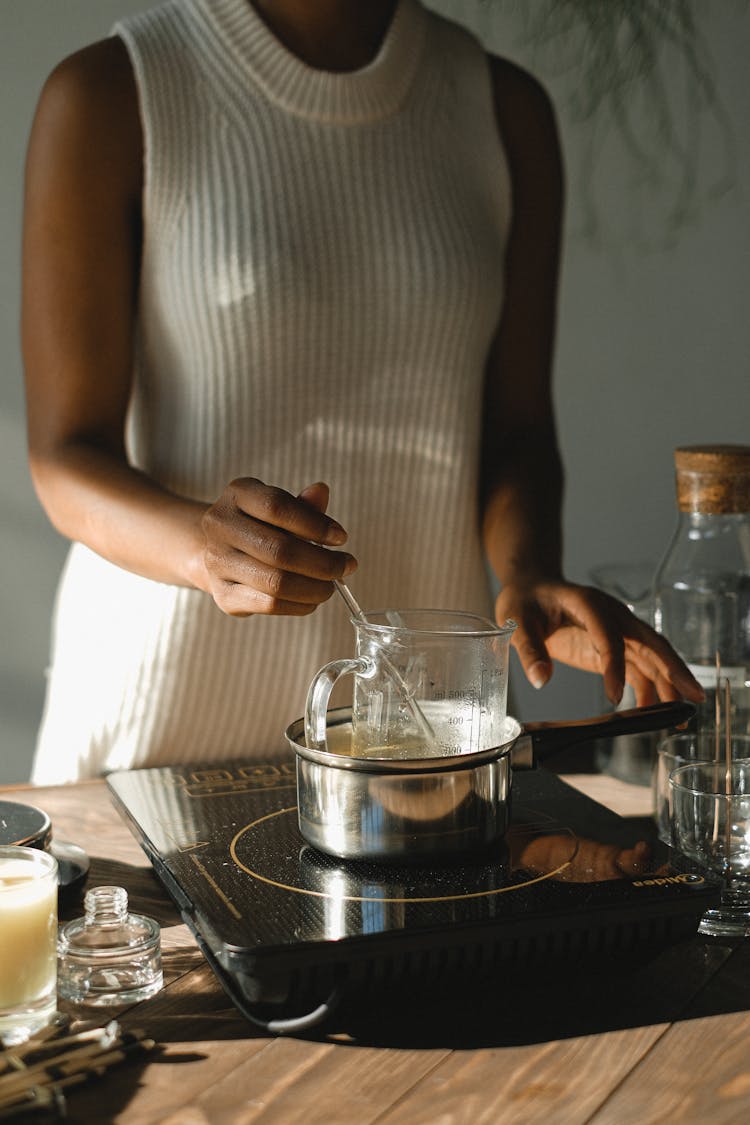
{"points": [[90, 102], [515, 85], [523, 107], [99, 74]]}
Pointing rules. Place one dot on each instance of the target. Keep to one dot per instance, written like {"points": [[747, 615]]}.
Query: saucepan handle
{"points": [[549, 738]]}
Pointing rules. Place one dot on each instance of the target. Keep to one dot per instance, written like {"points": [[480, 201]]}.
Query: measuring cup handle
{"points": [[319, 694]]}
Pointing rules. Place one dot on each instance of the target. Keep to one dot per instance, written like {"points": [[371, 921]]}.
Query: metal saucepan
{"points": [[413, 808]]}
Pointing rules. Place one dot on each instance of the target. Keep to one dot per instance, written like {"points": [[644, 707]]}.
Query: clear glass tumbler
{"points": [[28, 933], [711, 825], [680, 750]]}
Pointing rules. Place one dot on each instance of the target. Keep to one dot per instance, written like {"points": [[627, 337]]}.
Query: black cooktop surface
{"points": [[284, 925]]}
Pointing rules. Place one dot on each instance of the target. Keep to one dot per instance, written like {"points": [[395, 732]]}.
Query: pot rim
{"points": [[295, 735]]}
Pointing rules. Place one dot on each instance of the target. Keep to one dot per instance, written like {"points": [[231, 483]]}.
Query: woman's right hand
{"points": [[267, 551], [257, 549]]}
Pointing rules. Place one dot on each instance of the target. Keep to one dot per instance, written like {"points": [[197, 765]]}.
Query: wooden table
{"points": [[668, 1039]]}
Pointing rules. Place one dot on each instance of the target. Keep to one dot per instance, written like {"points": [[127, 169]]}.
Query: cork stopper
{"points": [[714, 479]]}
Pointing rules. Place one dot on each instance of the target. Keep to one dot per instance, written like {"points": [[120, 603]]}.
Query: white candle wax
{"points": [[28, 933]]}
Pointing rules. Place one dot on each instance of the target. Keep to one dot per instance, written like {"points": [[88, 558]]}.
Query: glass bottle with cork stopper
{"points": [[702, 587]]}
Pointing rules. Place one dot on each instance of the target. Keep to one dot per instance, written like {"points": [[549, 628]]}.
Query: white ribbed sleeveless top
{"points": [[321, 279]]}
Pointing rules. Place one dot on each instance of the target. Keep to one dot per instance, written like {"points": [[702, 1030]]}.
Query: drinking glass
{"points": [[28, 936], [680, 750], [711, 825]]}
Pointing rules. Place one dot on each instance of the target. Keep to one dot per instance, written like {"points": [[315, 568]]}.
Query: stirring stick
{"points": [[728, 780], [728, 730], [717, 742], [351, 602], [48, 1039], [403, 688], [717, 709]]}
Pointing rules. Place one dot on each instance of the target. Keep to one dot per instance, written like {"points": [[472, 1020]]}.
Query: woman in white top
{"points": [[268, 245]]}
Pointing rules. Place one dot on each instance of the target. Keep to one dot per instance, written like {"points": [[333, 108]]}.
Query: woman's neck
{"points": [[334, 35]]}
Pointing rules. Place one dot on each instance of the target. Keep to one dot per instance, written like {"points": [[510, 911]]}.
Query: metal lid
{"points": [[24, 826], [714, 479]]}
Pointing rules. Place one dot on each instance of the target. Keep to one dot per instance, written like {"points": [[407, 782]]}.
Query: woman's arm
{"points": [[254, 550], [521, 475]]}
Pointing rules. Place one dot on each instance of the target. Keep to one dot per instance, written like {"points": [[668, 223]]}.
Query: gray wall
{"points": [[653, 342]]}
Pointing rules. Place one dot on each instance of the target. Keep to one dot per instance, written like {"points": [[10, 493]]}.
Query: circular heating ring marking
{"points": [[371, 898]]}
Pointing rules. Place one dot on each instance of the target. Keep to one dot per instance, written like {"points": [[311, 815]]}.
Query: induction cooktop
{"points": [[287, 930]]}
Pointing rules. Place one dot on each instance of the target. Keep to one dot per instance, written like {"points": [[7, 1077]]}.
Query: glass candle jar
{"points": [[28, 928]]}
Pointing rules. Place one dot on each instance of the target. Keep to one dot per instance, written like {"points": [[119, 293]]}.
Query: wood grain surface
{"points": [[663, 1040]]}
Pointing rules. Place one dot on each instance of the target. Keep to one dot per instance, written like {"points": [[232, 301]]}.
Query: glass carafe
{"points": [[702, 587]]}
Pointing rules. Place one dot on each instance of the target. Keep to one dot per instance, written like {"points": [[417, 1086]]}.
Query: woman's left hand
{"points": [[588, 629]]}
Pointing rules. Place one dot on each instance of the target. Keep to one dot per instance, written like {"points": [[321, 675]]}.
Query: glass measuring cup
{"points": [[427, 683]]}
